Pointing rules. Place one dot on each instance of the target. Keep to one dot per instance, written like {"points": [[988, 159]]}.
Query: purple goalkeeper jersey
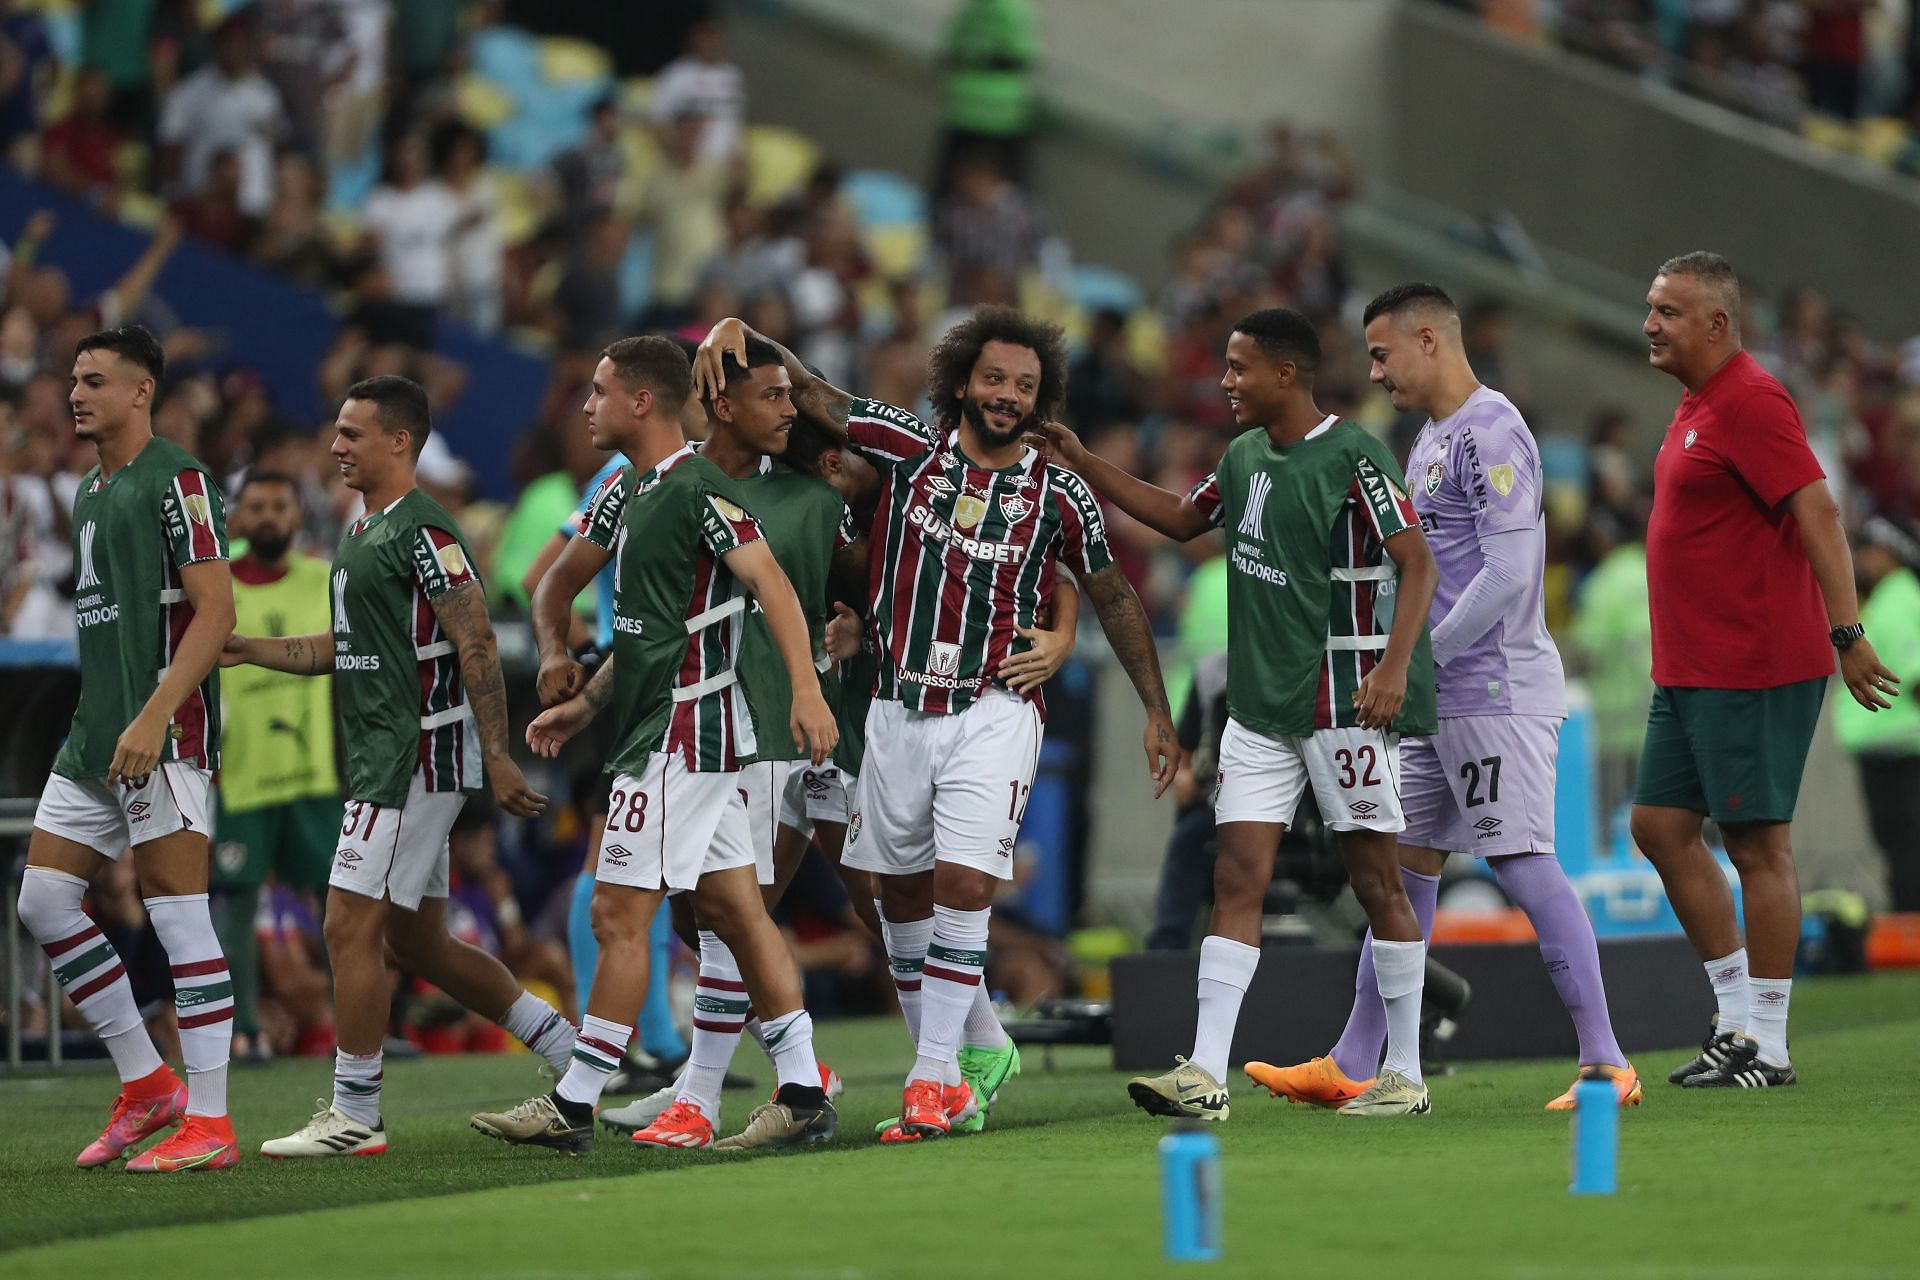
{"points": [[1476, 475]]}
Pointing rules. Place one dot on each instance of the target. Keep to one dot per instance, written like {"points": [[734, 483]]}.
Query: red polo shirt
{"points": [[1735, 604]]}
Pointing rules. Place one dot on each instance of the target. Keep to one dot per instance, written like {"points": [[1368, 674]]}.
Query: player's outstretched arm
{"points": [[1384, 689], [310, 655], [1125, 622], [1052, 644], [462, 612], [1818, 515], [571, 572], [814, 729], [814, 396], [1170, 513], [209, 589]]}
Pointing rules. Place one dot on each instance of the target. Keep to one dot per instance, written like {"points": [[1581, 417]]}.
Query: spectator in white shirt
{"points": [[701, 82], [227, 105], [478, 247], [411, 220]]}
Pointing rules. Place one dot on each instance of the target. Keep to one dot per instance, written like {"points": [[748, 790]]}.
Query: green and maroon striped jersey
{"points": [[397, 683], [678, 615], [962, 556], [1310, 587], [133, 531]]}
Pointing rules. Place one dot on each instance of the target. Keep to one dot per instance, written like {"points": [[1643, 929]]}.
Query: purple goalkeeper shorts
{"points": [[1482, 785]]}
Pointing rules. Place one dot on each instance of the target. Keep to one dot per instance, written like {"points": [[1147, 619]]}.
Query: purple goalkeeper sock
{"points": [[1357, 1053], [1539, 887]]}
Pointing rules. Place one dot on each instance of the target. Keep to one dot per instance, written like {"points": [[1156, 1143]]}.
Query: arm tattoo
{"points": [[599, 690], [306, 654], [462, 613], [1125, 622]]}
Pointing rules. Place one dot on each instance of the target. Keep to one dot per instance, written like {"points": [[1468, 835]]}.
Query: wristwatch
{"points": [[1843, 637]]}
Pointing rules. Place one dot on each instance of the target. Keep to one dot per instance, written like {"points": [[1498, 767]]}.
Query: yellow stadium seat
{"points": [[482, 103], [897, 251], [140, 208], [1825, 131], [1147, 340], [564, 58], [636, 95], [779, 161], [1881, 139], [520, 206]]}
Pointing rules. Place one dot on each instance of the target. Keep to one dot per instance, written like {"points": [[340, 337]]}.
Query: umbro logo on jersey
{"points": [[939, 484], [1487, 827], [340, 623], [1258, 487], [617, 854], [88, 577]]}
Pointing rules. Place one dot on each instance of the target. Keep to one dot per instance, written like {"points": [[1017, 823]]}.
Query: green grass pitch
{"points": [[1822, 1180]]}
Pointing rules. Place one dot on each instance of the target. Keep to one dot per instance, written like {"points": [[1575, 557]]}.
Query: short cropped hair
{"points": [[652, 363], [760, 354], [1414, 293], [1282, 334], [1712, 270], [400, 404], [132, 343], [257, 475]]}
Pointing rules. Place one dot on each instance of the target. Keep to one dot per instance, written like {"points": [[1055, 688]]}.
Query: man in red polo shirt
{"points": [[1751, 589]]}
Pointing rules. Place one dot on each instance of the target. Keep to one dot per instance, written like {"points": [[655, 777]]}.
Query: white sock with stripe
{"points": [[1226, 970], [954, 970], [790, 1042], [720, 1012], [87, 968], [1767, 1018], [202, 996], [540, 1027], [597, 1051], [1731, 994], [1400, 969], [356, 1085], [906, 942]]}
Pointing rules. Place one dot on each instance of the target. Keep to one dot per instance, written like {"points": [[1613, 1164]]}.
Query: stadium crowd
{"points": [[1840, 71], [327, 144]]}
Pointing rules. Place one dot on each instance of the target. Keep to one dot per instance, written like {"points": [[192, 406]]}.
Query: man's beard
{"points": [[269, 546], [976, 415]]}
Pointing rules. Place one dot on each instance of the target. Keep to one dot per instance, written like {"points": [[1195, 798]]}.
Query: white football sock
{"points": [[1226, 970], [1400, 968], [1767, 1017], [1728, 975]]}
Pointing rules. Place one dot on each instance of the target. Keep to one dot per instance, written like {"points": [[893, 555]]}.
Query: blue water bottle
{"points": [[1190, 1192], [1596, 1136]]}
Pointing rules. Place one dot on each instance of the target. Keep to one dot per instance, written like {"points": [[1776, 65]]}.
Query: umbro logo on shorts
{"points": [[139, 811], [1486, 827], [1006, 845], [617, 854], [1364, 809], [348, 856]]}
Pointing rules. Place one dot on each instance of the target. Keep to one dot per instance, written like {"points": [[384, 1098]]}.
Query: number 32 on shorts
{"points": [[1358, 767]]}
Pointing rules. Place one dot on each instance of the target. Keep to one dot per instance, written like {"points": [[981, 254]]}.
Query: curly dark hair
{"points": [[951, 363]]}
